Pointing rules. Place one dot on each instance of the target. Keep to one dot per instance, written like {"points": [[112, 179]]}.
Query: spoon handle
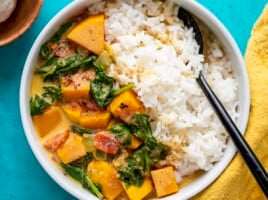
{"points": [[248, 155]]}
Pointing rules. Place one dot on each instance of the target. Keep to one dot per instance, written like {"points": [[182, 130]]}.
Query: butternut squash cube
{"points": [[138, 193], [74, 94], [102, 173], [125, 105], [164, 181], [135, 142], [89, 33], [47, 121], [73, 112], [76, 86], [72, 149], [95, 120]]}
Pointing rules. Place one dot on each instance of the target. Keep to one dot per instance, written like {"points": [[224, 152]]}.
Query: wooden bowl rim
{"points": [[19, 33]]}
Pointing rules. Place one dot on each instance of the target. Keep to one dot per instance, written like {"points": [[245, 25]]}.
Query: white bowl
{"points": [[199, 184]]}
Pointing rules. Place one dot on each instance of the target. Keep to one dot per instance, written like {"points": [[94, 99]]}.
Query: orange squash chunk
{"points": [[73, 112], [102, 173], [76, 86], [47, 121], [89, 33], [164, 181], [138, 193], [125, 105], [72, 149], [95, 120], [70, 93], [135, 142]]}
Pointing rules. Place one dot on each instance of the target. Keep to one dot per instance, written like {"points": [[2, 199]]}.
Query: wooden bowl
{"points": [[20, 20]]}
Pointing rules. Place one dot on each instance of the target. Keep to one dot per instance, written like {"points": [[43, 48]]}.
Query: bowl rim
{"points": [[68, 185]]}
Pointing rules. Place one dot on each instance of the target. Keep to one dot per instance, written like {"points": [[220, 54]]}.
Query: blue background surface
{"points": [[21, 176]]}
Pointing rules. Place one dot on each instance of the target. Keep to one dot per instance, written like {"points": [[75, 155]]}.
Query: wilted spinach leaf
{"points": [[122, 133], [80, 175], [101, 87], [81, 130], [45, 50], [38, 105], [143, 159]]}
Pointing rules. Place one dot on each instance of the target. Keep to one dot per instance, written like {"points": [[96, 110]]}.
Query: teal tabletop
{"points": [[21, 176]]}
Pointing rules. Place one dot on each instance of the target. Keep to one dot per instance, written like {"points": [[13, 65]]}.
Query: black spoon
{"points": [[248, 155]]}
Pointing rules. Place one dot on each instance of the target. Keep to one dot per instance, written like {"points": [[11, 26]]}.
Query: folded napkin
{"points": [[237, 182]]}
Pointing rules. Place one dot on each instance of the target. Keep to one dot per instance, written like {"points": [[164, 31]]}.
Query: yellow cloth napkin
{"points": [[236, 182]]}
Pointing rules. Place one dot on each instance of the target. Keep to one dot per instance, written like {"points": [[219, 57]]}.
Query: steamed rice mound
{"points": [[155, 51]]}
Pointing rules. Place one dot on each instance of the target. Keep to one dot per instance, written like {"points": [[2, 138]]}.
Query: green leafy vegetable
{"points": [[136, 170], [76, 64], [57, 66], [52, 92], [47, 72], [143, 159], [63, 29], [140, 164], [122, 133], [100, 155], [121, 90], [38, 105], [80, 175], [80, 130], [83, 162], [101, 87], [45, 50], [141, 128]]}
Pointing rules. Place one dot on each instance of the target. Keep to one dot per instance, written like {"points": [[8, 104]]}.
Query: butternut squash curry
{"points": [[98, 132]]}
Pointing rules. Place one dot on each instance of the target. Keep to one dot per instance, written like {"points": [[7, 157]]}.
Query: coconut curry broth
{"points": [[36, 88], [97, 132]]}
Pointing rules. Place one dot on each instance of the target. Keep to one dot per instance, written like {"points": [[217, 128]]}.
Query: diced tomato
{"points": [[64, 49], [106, 142], [81, 78], [55, 142]]}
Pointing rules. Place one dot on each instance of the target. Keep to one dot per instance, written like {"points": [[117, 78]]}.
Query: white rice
{"points": [[156, 52]]}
